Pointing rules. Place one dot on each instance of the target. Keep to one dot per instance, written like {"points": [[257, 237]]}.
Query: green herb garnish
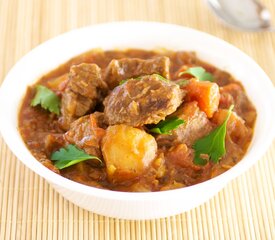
{"points": [[213, 144], [167, 125], [138, 78], [71, 155], [123, 81], [182, 82], [199, 73], [47, 99], [160, 77]]}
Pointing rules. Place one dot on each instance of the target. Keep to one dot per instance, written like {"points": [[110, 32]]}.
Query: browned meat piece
{"points": [[181, 61], [98, 119], [84, 90], [234, 94], [53, 142], [73, 105], [196, 126], [144, 101], [85, 79], [86, 133], [126, 68]]}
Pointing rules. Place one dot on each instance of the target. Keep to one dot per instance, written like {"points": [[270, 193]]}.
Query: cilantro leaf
{"points": [[47, 99], [71, 155], [213, 144], [167, 125], [138, 78], [182, 82], [199, 73], [123, 81], [160, 77]]}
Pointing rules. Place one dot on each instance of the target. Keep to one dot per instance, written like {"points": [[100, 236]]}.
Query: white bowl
{"points": [[144, 35]]}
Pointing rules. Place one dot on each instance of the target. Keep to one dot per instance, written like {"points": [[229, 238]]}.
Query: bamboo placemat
{"points": [[31, 209]]}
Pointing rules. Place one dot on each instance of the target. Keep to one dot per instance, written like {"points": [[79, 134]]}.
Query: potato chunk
{"points": [[127, 152]]}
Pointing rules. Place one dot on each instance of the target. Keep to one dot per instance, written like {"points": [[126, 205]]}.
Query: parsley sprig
{"points": [[167, 125], [71, 155], [182, 82], [123, 81], [138, 78], [47, 99], [160, 77], [199, 73], [213, 145]]}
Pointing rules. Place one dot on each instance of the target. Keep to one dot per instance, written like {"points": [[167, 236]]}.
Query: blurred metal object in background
{"points": [[248, 15]]}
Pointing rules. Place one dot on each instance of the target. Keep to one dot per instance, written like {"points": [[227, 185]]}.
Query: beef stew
{"points": [[137, 120]]}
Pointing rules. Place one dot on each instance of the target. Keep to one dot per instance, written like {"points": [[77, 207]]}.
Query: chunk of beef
{"points": [[53, 142], [196, 126], [234, 94], [181, 61], [126, 68], [86, 133], [84, 90], [85, 79], [142, 101], [73, 105]]}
